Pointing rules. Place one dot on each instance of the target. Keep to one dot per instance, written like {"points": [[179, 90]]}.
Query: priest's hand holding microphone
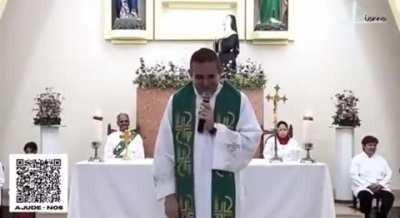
{"points": [[206, 115]]}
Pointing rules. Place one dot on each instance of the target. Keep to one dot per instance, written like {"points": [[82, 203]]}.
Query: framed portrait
{"points": [[128, 20], [269, 19]]}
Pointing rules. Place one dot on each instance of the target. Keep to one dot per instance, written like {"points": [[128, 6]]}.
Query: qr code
{"points": [[38, 182]]}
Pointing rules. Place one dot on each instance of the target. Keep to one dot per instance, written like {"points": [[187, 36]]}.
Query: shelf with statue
{"points": [[128, 21], [269, 21]]}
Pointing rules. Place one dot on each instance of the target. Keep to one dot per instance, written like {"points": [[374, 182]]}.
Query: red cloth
{"points": [[283, 141], [25, 215]]}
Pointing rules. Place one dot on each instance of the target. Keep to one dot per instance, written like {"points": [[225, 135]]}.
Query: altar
{"points": [[126, 190]]}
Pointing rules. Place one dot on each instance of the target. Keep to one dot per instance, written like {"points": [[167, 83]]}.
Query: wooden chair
{"points": [[375, 208], [110, 129], [266, 134]]}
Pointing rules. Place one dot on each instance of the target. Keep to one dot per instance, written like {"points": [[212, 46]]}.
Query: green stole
{"points": [[226, 111], [117, 151], [269, 9]]}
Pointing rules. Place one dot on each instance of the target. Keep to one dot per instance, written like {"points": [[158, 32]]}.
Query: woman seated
{"points": [[287, 147]]}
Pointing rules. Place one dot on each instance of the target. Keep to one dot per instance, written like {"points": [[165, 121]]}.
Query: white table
{"points": [[126, 190]]}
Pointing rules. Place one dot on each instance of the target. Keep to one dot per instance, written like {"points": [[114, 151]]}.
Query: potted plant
{"points": [[48, 110], [346, 109]]}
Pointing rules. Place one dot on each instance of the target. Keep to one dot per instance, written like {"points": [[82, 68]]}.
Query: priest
{"points": [[125, 143], [208, 134]]}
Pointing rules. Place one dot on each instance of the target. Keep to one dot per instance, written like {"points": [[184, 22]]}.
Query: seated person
{"points": [[31, 148], [115, 147], [288, 148], [371, 175]]}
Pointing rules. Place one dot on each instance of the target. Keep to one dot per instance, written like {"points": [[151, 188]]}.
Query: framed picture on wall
{"points": [[128, 20], [269, 19]]}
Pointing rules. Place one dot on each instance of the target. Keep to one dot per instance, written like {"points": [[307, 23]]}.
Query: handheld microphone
{"points": [[206, 99]]}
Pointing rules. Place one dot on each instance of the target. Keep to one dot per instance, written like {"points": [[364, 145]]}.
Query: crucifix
{"points": [[275, 99], [127, 138]]}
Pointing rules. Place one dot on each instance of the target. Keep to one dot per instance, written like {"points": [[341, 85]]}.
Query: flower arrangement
{"points": [[346, 109], [248, 75], [161, 75], [48, 108]]}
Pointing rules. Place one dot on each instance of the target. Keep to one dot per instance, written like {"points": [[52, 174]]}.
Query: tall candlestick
{"points": [[308, 120], [98, 126]]}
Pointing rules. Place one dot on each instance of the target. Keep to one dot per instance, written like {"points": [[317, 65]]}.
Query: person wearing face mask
{"points": [[227, 47], [115, 147], [288, 148], [197, 166], [371, 175]]}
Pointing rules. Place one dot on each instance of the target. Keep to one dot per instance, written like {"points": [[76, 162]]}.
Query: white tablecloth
{"points": [[125, 190]]}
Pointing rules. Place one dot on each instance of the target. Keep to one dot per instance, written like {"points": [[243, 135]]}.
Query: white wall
{"points": [[60, 44]]}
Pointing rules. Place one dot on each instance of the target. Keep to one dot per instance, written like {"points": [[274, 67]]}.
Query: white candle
{"points": [[98, 126], [308, 120]]}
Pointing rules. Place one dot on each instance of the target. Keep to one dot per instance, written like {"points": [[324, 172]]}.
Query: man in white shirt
{"points": [[116, 148], [371, 175]]}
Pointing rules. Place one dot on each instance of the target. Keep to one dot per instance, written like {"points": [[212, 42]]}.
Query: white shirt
{"points": [[289, 153], [135, 148], [232, 150], [365, 171]]}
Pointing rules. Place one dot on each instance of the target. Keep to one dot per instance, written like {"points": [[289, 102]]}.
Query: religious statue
{"points": [[127, 9], [227, 47], [127, 15], [273, 15]]}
